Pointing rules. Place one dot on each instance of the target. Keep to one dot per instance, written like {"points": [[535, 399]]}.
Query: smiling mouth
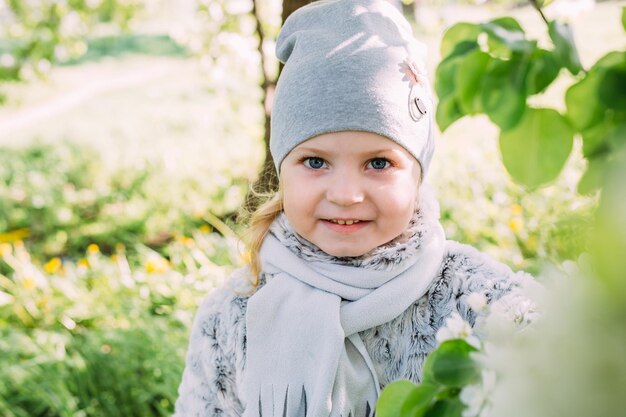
{"points": [[347, 222], [346, 226]]}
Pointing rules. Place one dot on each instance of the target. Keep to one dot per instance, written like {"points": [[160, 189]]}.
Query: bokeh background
{"points": [[130, 132]]}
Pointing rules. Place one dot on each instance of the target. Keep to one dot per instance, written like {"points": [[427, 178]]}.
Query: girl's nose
{"points": [[344, 190]]}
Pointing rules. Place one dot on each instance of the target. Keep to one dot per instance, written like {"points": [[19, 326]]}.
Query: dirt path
{"points": [[63, 101]]}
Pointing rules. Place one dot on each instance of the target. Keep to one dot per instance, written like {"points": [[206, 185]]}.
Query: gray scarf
{"points": [[304, 354]]}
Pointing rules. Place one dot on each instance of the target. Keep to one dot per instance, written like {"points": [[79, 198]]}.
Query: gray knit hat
{"points": [[351, 65]]}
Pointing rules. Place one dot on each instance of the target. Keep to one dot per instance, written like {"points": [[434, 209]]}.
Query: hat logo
{"points": [[417, 83]]}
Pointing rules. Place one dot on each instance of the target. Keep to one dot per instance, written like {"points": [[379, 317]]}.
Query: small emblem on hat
{"points": [[417, 84], [412, 73], [421, 107], [417, 108]]}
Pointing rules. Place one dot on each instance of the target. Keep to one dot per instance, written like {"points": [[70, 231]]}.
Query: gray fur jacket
{"points": [[216, 356]]}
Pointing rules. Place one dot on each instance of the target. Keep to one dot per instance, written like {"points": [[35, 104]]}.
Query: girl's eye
{"points": [[314, 162], [379, 163]]}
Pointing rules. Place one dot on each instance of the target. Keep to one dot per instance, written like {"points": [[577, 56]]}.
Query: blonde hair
{"points": [[258, 226]]}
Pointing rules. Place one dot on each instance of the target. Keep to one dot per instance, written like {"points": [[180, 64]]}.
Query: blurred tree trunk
{"points": [[290, 6], [268, 180]]}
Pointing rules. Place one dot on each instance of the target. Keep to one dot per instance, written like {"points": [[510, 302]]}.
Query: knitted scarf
{"points": [[304, 354]]}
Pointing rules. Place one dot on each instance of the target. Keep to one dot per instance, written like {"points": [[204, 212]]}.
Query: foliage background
{"points": [[129, 133]]}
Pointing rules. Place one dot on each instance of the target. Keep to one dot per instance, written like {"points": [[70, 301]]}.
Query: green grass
{"points": [[130, 44]]}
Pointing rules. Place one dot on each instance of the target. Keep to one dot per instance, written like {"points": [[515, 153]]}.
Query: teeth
{"points": [[348, 222]]}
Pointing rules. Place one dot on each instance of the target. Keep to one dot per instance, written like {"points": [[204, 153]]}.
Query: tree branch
{"points": [[535, 4]]}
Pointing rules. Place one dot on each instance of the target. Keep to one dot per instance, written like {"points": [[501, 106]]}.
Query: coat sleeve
{"points": [[478, 274], [215, 355]]}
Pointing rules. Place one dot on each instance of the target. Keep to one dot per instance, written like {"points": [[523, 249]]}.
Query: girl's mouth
{"points": [[345, 226], [339, 221]]}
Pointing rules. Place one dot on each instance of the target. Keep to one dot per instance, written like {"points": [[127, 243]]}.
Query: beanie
{"points": [[351, 65]]}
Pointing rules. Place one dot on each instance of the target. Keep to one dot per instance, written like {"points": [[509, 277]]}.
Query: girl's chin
{"points": [[349, 252]]}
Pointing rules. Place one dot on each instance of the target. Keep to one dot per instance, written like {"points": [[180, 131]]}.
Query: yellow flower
{"points": [[532, 243], [150, 266], [516, 224], [82, 262], [93, 249], [43, 303], [29, 283], [516, 209], [184, 240], [156, 265], [52, 265], [5, 249], [205, 228], [12, 235]]}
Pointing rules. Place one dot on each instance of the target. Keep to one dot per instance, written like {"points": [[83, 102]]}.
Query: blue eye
{"points": [[379, 163], [314, 162]]}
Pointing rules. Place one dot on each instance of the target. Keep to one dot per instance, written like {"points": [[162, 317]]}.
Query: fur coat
{"points": [[217, 350]]}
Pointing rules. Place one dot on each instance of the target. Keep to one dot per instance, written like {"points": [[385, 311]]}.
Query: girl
{"points": [[351, 275]]}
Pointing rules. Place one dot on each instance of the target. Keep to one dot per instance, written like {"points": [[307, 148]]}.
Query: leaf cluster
{"points": [[596, 107], [446, 371], [493, 69]]}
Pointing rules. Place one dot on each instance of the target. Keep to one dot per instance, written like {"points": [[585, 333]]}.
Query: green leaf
{"points": [[393, 397], [593, 178], [595, 139], [445, 75], [544, 3], [503, 95], [446, 408], [612, 91], [428, 374], [543, 69], [617, 136], [624, 17], [448, 112], [564, 47], [588, 99], [507, 23], [581, 99], [535, 150], [459, 33], [505, 35], [612, 59], [419, 400], [462, 48], [450, 365], [468, 80]]}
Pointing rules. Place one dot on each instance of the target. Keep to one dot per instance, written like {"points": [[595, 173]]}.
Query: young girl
{"points": [[351, 275]]}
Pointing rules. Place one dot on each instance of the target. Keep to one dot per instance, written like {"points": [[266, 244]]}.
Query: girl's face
{"points": [[349, 192]]}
